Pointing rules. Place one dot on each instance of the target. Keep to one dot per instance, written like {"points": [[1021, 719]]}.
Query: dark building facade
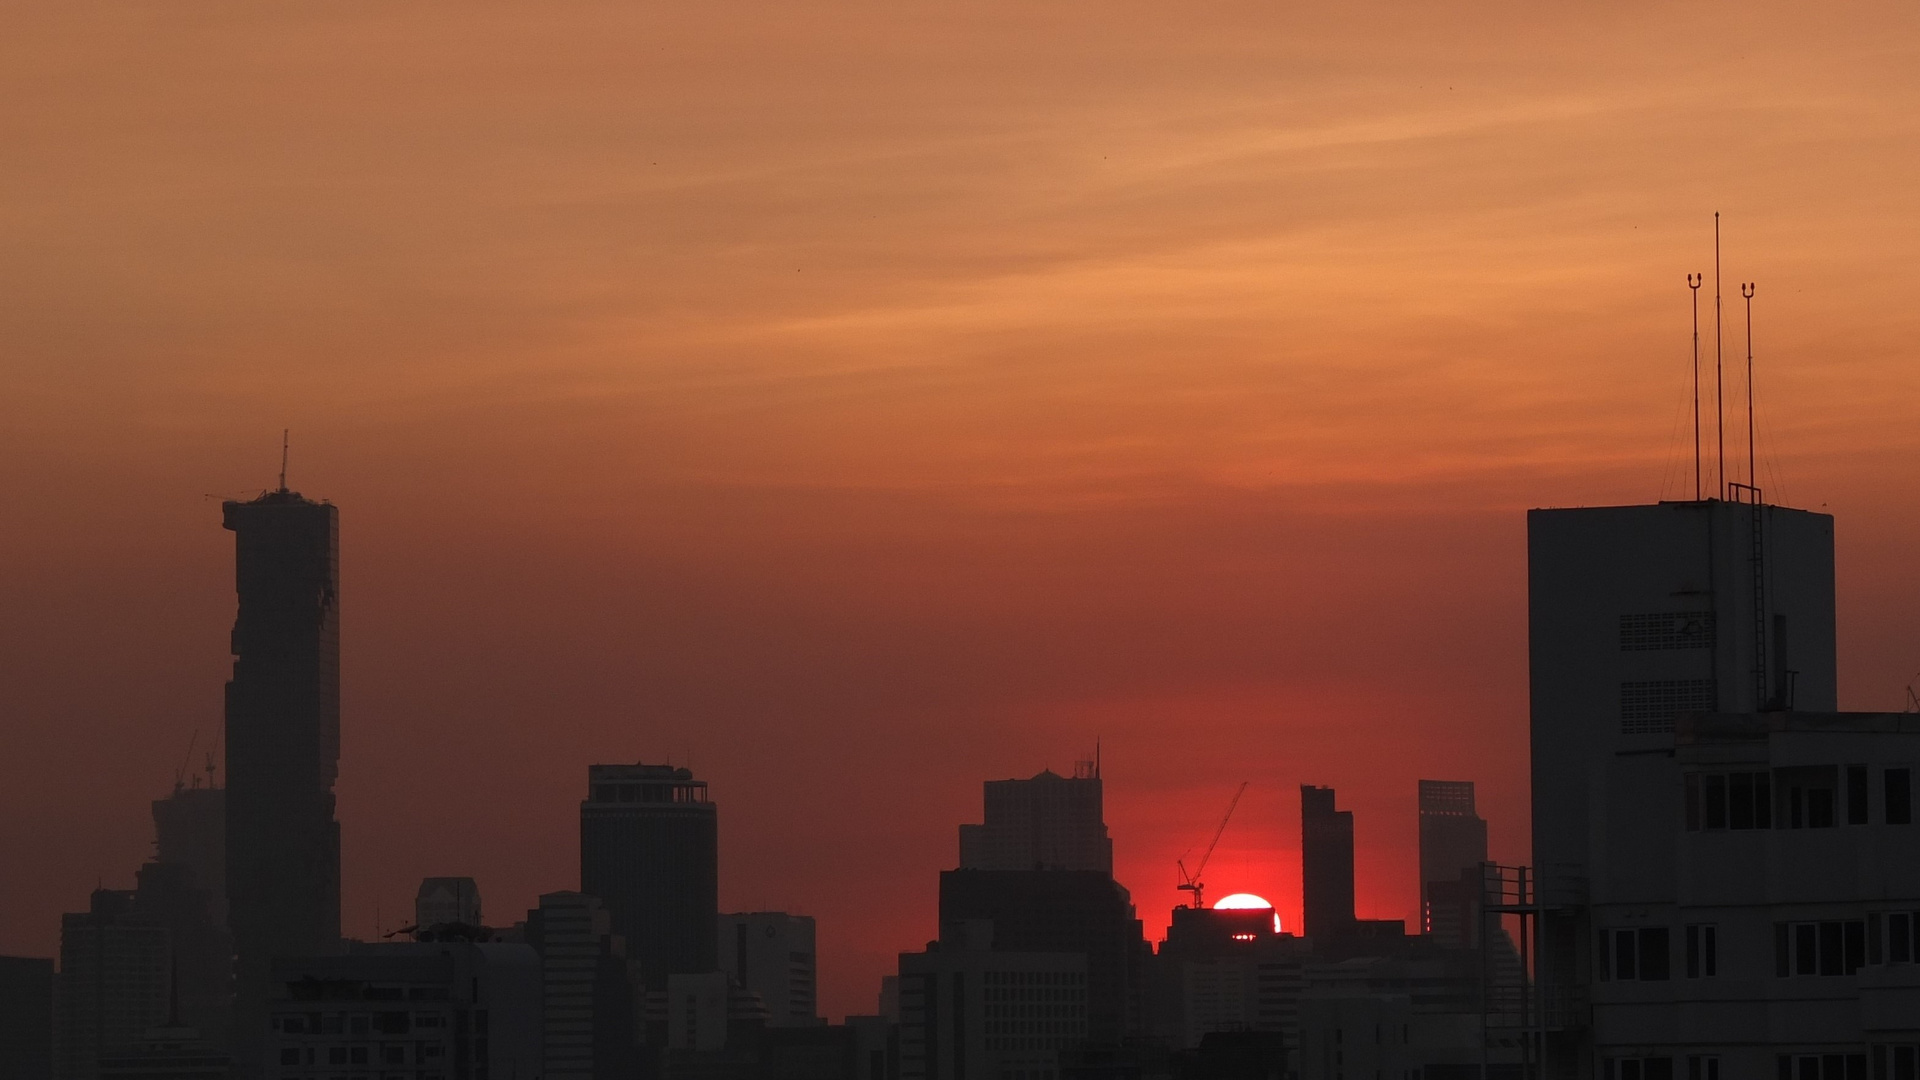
{"points": [[1062, 911], [1050, 822], [26, 1017], [649, 849], [1453, 844], [115, 983], [283, 747], [1326, 864]]}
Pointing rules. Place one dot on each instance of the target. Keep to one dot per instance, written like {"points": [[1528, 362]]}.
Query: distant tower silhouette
{"points": [[283, 748], [1050, 822], [649, 849], [1326, 863], [1453, 844]]}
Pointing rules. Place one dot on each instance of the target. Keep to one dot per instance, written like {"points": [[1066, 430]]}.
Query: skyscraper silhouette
{"points": [[1453, 844], [283, 747], [1050, 822], [1326, 864], [649, 849]]}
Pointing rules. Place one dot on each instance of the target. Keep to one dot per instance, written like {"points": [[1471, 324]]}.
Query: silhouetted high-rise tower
{"points": [[1050, 822], [283, 747], [1453, 844], [649, 849], [1326, 863]]}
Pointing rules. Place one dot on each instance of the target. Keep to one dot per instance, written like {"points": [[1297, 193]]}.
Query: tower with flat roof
{"points": [[1453, 844], [1637, 614], [1326, 864], [649, 849], [283, 747]]}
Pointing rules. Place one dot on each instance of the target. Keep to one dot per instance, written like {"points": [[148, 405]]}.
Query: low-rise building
{"points": [[1755, 901], [442, 1010]]}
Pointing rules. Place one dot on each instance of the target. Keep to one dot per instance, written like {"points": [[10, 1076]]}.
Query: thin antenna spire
{"points": [[1746, 291], [1719, 383], [1694, 281], [283, 459]]}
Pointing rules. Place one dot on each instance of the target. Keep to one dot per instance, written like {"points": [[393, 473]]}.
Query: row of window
{"points": [[1801, 797], [1038, 993], [384, 1023], [1698, 1066], [388, 1054], [1788, 1067], [1827, 947]]}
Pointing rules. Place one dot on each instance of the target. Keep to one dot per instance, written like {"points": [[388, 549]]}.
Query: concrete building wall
{"points": [[1639, 613], [1736, 936]]}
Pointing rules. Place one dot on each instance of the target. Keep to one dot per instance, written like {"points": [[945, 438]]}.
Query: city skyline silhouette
{"points": [[855, 407]]}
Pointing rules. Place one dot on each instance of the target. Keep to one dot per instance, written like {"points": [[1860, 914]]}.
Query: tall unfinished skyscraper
{"points": [[283, 747]]}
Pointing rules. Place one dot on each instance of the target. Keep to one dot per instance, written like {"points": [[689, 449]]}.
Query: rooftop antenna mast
{"points": [[1746, 292], [283, 460], [1694, 282], [1719, 384]]}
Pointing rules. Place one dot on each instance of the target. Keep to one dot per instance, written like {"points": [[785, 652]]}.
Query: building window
{"points": [[1703, 1067], [1904, 1062], [1703, 953], [1638, 954], [1742, 800], [1834, 947], [1666, 630], [1822, 1067], [1653, 1068], [1856, 794], [1648, 708], [1809, 796], [1901, 946], [1898, 785]]}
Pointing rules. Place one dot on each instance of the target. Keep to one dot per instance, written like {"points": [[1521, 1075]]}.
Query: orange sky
{"points": [[868, 399]]}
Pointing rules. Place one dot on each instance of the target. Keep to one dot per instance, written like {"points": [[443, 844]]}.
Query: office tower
{"points": [[114, 983], [200, 950], [26, 1017], [771, 953], [1326, 864], [1049, 822], [970, 1011], [449, 1010], [283, 747], [590, 1028], [1637, 614], [190, 829], [649, 849], [1453, 844], [444, 901], [1080, 912]]}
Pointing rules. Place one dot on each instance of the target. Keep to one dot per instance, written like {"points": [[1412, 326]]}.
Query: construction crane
{"points": [[1190, 882]]}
